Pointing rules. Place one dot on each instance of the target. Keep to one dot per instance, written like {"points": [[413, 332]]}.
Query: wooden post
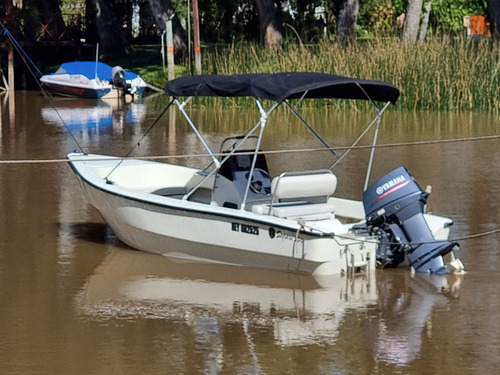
{"points": [[196, 30], [170, 50], [190, 43], [10, 54], [10, 63]]}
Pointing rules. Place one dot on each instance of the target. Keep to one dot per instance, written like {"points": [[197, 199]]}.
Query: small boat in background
{"points": [[93, 79]]}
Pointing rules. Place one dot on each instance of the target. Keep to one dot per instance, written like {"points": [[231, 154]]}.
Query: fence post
{"points": [[197, 47], [170, 50]]}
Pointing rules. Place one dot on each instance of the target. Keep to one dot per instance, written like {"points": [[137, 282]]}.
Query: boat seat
{"points": [[300, 195], [296, 210]]}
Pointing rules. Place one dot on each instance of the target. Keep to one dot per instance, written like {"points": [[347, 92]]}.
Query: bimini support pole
{"points": [[195, 130], [323, 142], [262, 122], [372, 151], [377, 118], [217, 166]]}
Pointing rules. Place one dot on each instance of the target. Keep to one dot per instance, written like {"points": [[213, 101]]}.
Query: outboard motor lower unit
{"points": [[394, 207]]}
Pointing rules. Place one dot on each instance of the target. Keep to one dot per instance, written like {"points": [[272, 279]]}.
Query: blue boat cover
{"points": [[88, 69]]}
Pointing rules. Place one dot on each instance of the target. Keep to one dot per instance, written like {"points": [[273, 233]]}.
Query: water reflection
{"points": [[302, 309], [92, 116], [406, 303]]}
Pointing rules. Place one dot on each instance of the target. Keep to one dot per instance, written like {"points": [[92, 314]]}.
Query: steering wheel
{"points": [[260, 182]]}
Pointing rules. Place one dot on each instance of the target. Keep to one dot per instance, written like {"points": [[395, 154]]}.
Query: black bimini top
{"points": [[281, 86]]}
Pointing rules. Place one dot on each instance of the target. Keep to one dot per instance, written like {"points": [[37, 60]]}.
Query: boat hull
{"points": [[81, 87], [202, 232], [77, 91]]}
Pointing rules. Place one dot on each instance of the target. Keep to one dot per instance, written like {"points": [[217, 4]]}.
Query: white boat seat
{"points": [[300, 195], [321, 183], [296, 210]]}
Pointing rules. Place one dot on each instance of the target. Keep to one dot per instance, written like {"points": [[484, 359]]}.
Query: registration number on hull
{"points": [[244, 228]]}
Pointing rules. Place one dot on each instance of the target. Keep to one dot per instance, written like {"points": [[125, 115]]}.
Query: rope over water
{"points": [[274, 152]]}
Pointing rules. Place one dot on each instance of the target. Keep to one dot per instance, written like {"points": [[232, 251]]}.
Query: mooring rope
{"points": [[357, 241], [271, 152], [25, 57], [137, 144]]}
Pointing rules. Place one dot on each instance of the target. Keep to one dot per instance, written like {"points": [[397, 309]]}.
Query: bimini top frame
{"points": [[279, 87]]}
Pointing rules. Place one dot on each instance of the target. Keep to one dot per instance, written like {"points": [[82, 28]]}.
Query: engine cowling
{"points": [[394, 207], [119, 79]]}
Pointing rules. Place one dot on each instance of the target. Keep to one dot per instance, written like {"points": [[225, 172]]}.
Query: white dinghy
{"points": [[235, 212]]}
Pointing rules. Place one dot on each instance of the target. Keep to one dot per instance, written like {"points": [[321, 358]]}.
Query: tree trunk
{"points": [[52, 24], [162, 10], [347, 19], [412, 21], [43, 21], [270, 23], [112, 41], [425, 21], [494, 17]]}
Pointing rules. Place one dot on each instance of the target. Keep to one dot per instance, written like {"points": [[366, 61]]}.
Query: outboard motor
{"points": [[394, 207], [119, 79]]}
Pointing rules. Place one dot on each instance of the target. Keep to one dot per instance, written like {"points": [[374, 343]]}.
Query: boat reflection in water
{"points": [[396, 307], [301, 308], [406, 304], [93, 116]]}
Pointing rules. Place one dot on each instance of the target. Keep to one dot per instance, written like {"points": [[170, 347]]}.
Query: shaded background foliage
{"points": [[447, 72], [227, 21]]}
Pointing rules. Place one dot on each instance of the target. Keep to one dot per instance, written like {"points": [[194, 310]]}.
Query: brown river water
{"points": [[75, 300]]}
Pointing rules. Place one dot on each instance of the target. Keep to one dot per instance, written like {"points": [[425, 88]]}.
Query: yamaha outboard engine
{"points": [[394, 207], [119, 79]]}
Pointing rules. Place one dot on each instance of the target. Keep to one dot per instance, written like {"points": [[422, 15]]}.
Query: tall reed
{"points": [[447, 74]]}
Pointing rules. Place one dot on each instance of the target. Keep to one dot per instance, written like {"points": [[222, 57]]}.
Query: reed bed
{"points": [[444, 75]]}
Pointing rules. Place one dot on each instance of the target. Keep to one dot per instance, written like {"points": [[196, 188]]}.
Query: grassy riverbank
{"points": [[446, 75]]}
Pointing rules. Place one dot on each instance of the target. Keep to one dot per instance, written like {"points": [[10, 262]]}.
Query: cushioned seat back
{"points": [[303, 186]]}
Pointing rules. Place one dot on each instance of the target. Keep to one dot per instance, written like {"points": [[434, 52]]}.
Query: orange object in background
{"points": [[478, 25]]}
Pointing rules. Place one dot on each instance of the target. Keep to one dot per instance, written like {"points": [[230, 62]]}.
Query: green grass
{"points": [[435, 75], [444, 75]]}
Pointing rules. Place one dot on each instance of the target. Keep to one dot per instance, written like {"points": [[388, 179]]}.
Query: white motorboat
{"points": [[235, 212], [93, 79]]}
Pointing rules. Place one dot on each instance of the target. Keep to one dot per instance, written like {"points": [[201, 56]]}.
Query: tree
{"points": [[112, 40], [163, 10], [42, 21], [51, 22], [270, 23], [412, 21], [425, 21], [347, 19], [494, 16]]}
